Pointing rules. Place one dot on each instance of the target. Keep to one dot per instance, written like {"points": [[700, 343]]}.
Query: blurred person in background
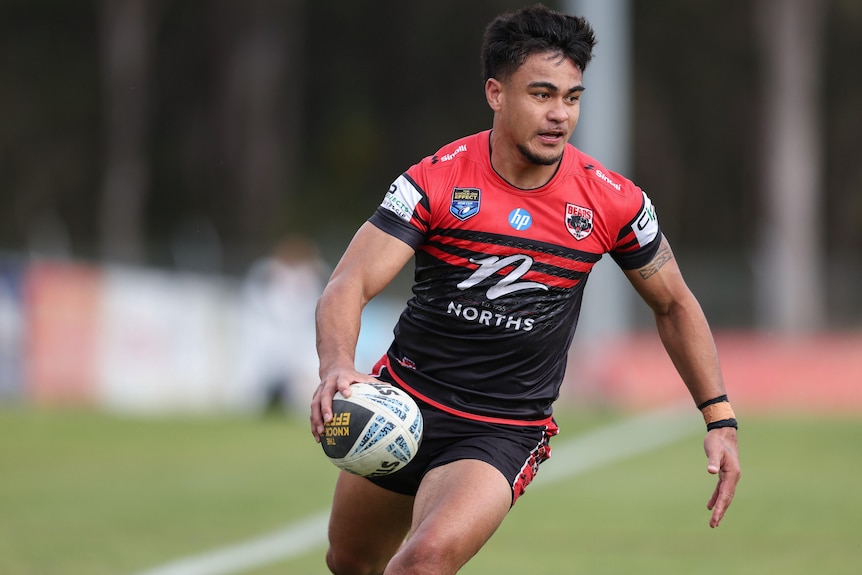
{"points": [[279, 294], [505, 226]]}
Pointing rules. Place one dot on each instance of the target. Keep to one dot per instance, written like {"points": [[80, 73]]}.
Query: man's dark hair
{"points": [[512, 37]]}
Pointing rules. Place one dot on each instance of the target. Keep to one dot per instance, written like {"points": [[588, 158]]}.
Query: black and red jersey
{"points": [[500, 273]]}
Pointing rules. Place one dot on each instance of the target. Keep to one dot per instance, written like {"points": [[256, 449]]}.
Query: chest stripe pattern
{"points": [[495, 305]]}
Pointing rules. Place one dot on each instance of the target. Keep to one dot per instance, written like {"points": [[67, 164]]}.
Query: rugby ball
{"points": [[376, 431]]}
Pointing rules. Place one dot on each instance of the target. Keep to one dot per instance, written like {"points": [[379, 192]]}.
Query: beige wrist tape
{"points": [[717, 412]]}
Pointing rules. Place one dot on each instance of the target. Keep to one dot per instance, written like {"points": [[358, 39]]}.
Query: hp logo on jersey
{"points": [[520, 219]]}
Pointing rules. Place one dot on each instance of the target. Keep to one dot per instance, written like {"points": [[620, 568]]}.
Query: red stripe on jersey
{"points": [[461, 261], [420, 217], [384, 363], [451, 259], [627, 242], [498, 250]]}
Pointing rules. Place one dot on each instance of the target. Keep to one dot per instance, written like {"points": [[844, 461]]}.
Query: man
{"points": [[505, 226]]}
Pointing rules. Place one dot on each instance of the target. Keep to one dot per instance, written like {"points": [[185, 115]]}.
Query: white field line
{"points": [[294, 540], [627, 438], [607, 445]]}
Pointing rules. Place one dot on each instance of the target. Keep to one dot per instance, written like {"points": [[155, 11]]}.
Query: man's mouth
{"points": [[552, 136]]}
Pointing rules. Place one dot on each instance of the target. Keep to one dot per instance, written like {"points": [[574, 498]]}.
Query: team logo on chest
{"points": [[465, 202], [579, 221]]}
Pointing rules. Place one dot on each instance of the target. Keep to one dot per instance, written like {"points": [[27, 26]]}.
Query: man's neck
{"points": [[511, 165]]}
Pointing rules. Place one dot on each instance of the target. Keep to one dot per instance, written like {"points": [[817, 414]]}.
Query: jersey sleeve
{"points": [[404, 211], [639, 238]]}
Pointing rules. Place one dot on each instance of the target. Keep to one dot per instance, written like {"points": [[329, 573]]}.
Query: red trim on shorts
{"points": [[384, 362], [541, 453]]}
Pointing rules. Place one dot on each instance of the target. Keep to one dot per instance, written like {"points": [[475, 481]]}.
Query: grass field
{"points": [[88, 493]]}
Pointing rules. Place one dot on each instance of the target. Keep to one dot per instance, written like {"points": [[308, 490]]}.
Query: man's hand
{"points": [[321, 403], [722, 453]]}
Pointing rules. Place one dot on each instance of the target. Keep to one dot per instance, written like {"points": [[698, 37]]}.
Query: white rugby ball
{"points": [[374, 432]]}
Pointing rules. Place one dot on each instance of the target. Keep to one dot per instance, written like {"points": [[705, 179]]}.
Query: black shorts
{"points": [[515, 450]]}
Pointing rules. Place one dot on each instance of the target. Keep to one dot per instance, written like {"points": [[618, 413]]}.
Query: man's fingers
{"points": [[321, 405], [711, 503], [718, 504], [720, 500], [321, 412], [316, 423]]}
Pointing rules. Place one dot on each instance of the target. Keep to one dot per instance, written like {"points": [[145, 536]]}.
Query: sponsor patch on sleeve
{"points": [[645, 225], [402, 198]]}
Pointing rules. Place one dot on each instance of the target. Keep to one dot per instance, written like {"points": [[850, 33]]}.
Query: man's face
{"points": [[537, 108]]}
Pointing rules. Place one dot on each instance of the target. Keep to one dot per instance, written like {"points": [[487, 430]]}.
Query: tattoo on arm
{"points": [[662, 256]]}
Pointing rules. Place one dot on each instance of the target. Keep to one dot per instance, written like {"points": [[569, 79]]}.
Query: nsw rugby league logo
{"points": [[465, 202], [579, 221]]}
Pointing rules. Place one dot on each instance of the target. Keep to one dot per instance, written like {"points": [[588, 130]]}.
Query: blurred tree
{"points": [[138, 124], [228, 122], [695, 119], [126, 52], [790, 270], [397, 81], [49, 117], [259, 95], [841, 192]]}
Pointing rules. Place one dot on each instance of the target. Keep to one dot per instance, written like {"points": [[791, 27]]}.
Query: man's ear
{"points": [[494, 93]]}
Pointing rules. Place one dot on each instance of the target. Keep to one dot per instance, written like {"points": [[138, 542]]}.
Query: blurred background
{"points": [[177, 179]]}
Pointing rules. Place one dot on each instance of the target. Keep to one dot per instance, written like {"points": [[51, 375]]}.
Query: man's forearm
{"points": [[688, 340]]}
